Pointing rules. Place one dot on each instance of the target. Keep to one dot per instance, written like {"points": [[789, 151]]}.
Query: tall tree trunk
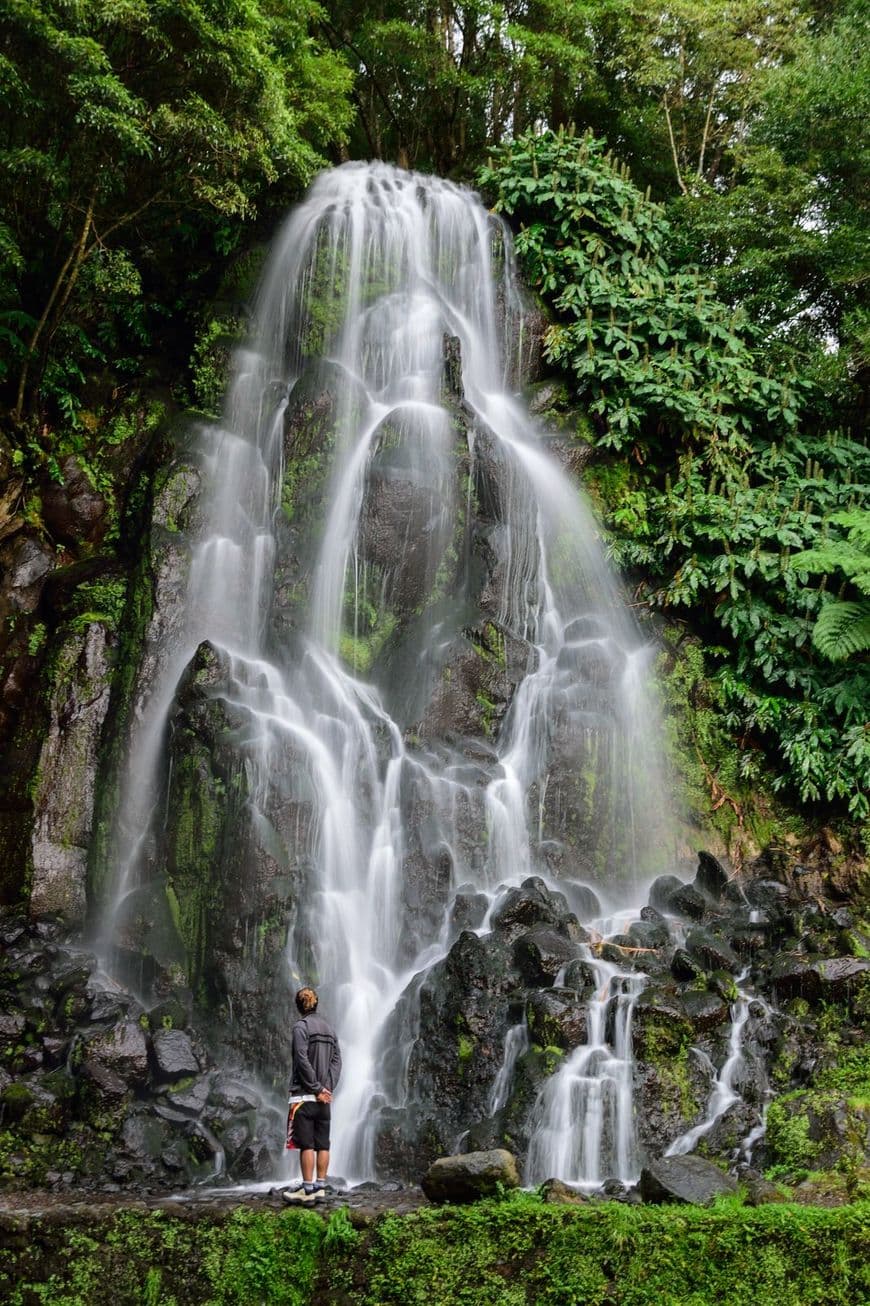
{"points": [[61, 290]]}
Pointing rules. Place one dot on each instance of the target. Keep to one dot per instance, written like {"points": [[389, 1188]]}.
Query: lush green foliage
{"points": [[842, 627], [439, 83], [653, 348], [131, 133], [725, 481], [520, 1251]]}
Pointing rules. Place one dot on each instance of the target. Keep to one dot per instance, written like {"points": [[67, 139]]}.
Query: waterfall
{"points": [[448, 537]]}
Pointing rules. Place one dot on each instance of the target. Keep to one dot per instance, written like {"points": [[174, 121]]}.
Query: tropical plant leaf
{"points": [[842, 630]]}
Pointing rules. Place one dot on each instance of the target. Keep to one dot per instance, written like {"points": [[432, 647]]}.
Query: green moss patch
{"points": [[516, 1252]]}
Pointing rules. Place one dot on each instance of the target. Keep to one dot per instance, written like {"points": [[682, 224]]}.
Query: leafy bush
{"points": [[725, 500]]}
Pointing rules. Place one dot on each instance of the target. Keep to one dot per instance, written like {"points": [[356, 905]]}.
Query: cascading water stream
{"points": [[724, 1094], [373, 273]]}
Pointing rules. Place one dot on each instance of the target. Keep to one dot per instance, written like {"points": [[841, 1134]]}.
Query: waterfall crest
{"points": [[395, 604]]}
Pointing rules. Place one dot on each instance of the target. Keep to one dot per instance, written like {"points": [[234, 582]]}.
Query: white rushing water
{"points": [[723, 1094], [380, 266]]}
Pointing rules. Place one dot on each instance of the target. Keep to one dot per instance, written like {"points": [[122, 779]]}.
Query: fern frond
{"points": [[857, 523], [831, 557], [841, 630]]}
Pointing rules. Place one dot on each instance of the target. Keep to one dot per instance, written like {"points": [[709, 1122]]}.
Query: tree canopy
{"points": [[708, 307]]}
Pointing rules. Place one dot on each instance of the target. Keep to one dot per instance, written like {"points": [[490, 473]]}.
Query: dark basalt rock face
{"points": [[94, 1089], [470, 1176], [684, 1179]]}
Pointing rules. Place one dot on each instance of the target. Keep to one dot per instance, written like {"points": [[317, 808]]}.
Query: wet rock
{"points": [[557, 1018], [684, 966], [541, 954], [174, 1054], [661, 890], [711, 877], [582, 900], [688, 1179], [171, 1013], [469, 1177], [143, 1140], [12, 1025], [255, 1161], [73, 510], [713, 952], [839, 976], [570, 926], [580, 976], [649, 934], [405, 521], [661, 1025], [688, 902], [230, 1094], [117, 1059], [24, 564], [474, 689], [532, 904], [760, 1191], [468, 910], [558, 1193], [190, 1101], [234, 1137], [63, 803], [109, 1005], [769, 895], [793, 976], [704, 1009]]}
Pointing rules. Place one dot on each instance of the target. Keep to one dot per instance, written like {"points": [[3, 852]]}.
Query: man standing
{"points": [[314, 1078]]}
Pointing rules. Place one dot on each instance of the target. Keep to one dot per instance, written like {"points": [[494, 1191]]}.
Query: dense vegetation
{"points": [[506, 1253], [724, 471], [710, 313]]}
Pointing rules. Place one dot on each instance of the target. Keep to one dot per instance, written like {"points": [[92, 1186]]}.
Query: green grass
{"points": [[518, 1251]]}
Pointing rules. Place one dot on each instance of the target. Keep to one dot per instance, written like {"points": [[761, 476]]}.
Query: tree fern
{"points": [[842, 630]]}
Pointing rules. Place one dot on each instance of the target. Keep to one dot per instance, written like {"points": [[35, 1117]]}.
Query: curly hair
{"points": [[306, 1001]]}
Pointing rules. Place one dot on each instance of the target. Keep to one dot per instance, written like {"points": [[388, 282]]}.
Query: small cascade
{"points": [[724, 1094], [516, 1043], [416, 665], [583, 1122]]}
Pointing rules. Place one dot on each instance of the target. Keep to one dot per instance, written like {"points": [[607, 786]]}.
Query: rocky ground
{"points": [[101, 1096]]}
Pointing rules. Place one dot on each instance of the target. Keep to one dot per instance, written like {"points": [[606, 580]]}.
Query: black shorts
{"points": [[310, 1128]]}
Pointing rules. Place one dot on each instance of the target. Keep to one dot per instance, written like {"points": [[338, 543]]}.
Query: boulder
{"points": [[684, 966], [839, 975], [580, 976], [556, 1018], [116, 1060], [770, 895], [471, 1176], [712, 952], [649, 934], [711, 876], [793, 976], [661, 890], [705, 1010], [63, 802], [73, 510], [531, 904], [469, 910], [541, 954], [687, 901], [558, 1193], [582, 900], [684, 1179], [174, 1054], [761, 1192]]}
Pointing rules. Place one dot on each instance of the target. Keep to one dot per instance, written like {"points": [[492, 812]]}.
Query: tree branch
{"points": [[69, 270], [680, 182]]}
